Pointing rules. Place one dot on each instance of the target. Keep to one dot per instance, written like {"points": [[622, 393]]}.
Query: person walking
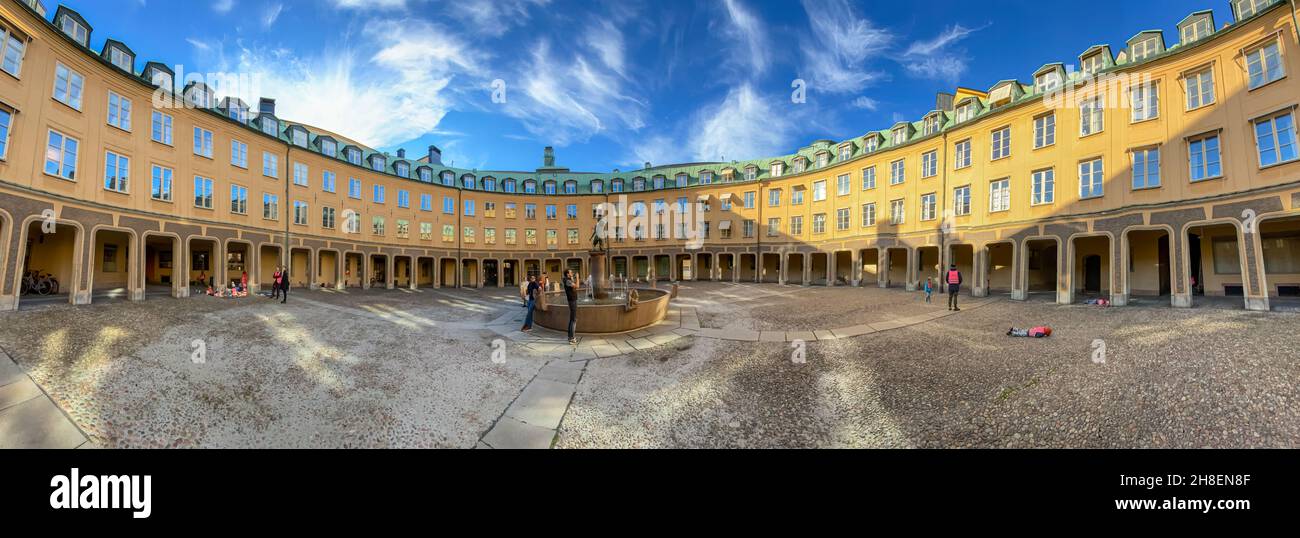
{"points": [[284, 286], [531, 292], [929, 289], [275, 283], [954, 279], [571, 286]]}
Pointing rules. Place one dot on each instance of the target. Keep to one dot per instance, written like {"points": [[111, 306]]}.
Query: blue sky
{"points": [[613, 84]]}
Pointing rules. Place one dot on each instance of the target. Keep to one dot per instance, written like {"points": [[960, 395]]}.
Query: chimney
{"points": [[266, 106], [647, 165], [401, 153], [944, 102], [435, 155]]}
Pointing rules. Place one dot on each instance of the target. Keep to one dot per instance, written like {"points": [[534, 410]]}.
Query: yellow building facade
{"points": [[1167, 171]]}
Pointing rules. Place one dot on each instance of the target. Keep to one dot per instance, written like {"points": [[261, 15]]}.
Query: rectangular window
{"points": [[552, 238], [842, 185], [271, 207], [819, 191], [426, 202], [1044, 131], [270, 164], [819, 224], [530, 211], [571, 210], [961, 200], [352, 223], [469, 208], [327, 218], [1044, 187], [378, 194], [1263, 65], [1001, 143], [896, 172], [119, 111], [117, 172], [929, 164], [68, 86], [961, 154], [774, 198], [1146, 168], [354, 188], [928, 207], [377, 225], [203, 142], [61, 156], [448, 233], [426, 231], [1144, 101], [1090, 179], [897, 212], [796, 195], [796, 226], [1200, 88], [1091, 117], [162, 128], [202, 192], [1203, 157], [749, 200], [868, 214], [868, 178], [327, 181], [490, 236], [1275, 139], [239, 154], [773, 227], [512, 236], [403, 199], [999, 195], [238, 200], [551, 213], [12, 49], [161, 185], [300, 174]]}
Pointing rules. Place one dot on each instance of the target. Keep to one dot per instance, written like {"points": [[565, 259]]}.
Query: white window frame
{"points": [[119, 111], [1092, 116], [1093, 171], [160, 183], [1198, 88], [161, 128], [1208, 158], [63, 150], [961, 154], [1269, 70], [119, 182], [73, 86], [961, 201], [270, 165], [1144, 102], [1045, 130], [203, 142], [1276, 138], [1143, 158], [1000, 143], [238, 154], [928, 207], [929, 164], [1000, 195], [1042, 187], [11, 41]]}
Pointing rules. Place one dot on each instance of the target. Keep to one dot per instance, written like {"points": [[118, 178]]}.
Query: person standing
{"points": [[929, 289], [275, 283], [284, 286], [571, 286], [954, 279], [531, 292]]}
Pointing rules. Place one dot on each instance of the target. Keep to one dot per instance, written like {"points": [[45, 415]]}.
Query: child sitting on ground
{"points": [[1036, 332]]}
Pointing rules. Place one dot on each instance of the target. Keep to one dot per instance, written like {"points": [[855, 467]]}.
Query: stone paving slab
{"points": [[16, 393], [37, 423], [10, 372], [800, 335], [542, 403], [856, 330], [771, 336], [562, 372], [664, 339], [887, 325], [606, 350], [509, 433], [641, 344], [824, 335]]}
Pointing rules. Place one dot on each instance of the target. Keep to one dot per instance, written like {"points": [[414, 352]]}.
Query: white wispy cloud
{"points": [[370, 4], [866, 103], [491, 17], [939, 58], [745, 27], [271, 13], [198, 44], [569, 100], [223, 6], [607, 42], [743, 125], [836, 53]]}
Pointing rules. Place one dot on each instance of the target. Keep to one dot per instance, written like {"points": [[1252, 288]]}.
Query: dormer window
{"points": [[1248, 8], [353, 155], [160, 79], [616, 185], [1047, 82], [238, 113], [900, 135], [1145, 48], [77, 31], [448, 179], [300, 138], [570, 187], [799, 166], [1093, 64], [122, 59], [403, 169], [426, 175], [871, 144], [846, 151], [548, 187], [468, 181], [1195, 29], [931, 124], [271, 126], [378, 163], [683, 180], [329, 148], [509, 185], [489, 184], [530, 187], [638, 185], [823, 159], [778, 169], [658, 182], [200, 96], [751, 173], [597, 186], [965, 112]]}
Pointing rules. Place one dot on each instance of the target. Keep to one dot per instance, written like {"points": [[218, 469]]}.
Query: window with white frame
{"points": [[932, 125], [161, 183], [1263, 64], [1090, 179], [119, 111], [403, 169], [6, 124], [1047, 82], [1044, 130], [1144, 101], [1043, 187], [1275, 139], [1001, 143], [897, 212], [1146, 168], [823, 159], [842, 218], [121, 59], [61, 156], [1091, 116], [871, 144], [161, 131], [900, 135], [1200, 88], [75, 30], [846, 152], [426, 202], [354, 156], [796, 195], [377, 225], [751, 173], [329, 148], [999, 195], [965, 112], [868, 178], [1203, 157], [270, 164], [819, 223], [961, 154], [203, 142], [897, 172], [239, 199], [327, 181], [352, 222], [378, 194], [774, 198], [869, 214], [796, 225], [748, 199], [929, 164], [961, 200], [819, 190], [773, 227], [1248, 8], [271, 206], [842, 185], [1196, 30], [202, 192], [13, 48], [327, 218], [1145, 48], [1093, 64], [239, 154], [449, 207], [300, 174], [117, 172], [354, 188], [68, 86], [928, 207]]}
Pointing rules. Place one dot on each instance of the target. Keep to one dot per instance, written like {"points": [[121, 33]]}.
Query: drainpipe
{"points": [[943, 204], [1295, 21], [288, 204], [460, 250]]}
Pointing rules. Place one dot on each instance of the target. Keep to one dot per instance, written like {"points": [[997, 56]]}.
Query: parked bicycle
{"points": [[40, 283]]}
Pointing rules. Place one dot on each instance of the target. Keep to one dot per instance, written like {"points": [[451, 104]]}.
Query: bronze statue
{"points": [[598, 235]]}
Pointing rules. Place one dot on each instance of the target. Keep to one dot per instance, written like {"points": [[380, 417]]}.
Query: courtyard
{"points": [[733, 366]]}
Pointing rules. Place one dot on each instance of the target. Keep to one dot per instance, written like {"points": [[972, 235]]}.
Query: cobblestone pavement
{"points": [[733, 366]]}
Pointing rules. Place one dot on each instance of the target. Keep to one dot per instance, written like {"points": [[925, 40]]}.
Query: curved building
{"points": [[1160, 169]]}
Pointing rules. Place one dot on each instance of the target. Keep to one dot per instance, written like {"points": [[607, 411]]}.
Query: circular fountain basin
{"points": [[606, 316]]}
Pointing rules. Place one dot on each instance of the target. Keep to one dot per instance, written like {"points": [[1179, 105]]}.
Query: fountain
{"points": [[607, 311]]}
